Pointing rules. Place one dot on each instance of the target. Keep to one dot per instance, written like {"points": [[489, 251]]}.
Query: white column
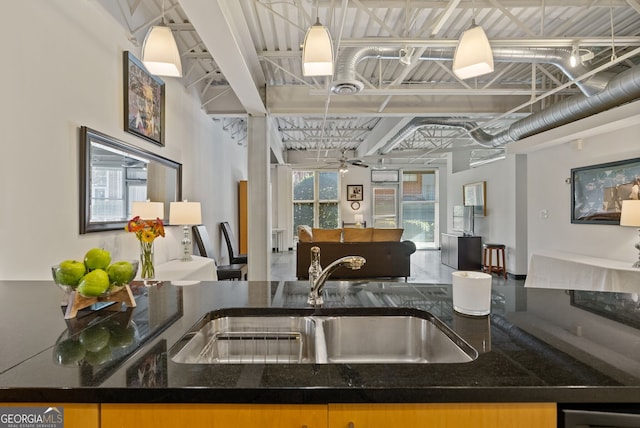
{"points": [[259, 216]]}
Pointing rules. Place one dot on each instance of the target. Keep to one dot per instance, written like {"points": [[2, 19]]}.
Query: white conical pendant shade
{"points": [[473, 55], [160, 53], [317, 52]]}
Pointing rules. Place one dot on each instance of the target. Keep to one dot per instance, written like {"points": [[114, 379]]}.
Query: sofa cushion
{"points": [[326, 235], [304, 233], [387, 235], [353, 234]]}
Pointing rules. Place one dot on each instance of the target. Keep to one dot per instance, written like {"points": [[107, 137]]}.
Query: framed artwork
{"points": [[597, 191], [151, 369], [354, 192], [475, 195], [144, 110]]}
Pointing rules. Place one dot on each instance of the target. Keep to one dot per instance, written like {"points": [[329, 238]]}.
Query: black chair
{"points": [[234, 257], [232, 271]]}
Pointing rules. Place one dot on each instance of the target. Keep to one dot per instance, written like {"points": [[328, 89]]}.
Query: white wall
{"points": [[356, 176], [547, 190], [499, 225], [66, 71]]}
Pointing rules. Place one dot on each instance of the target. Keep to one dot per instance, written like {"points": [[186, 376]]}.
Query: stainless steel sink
{"points": [[249, 339], [393, 339], [325, 336]]}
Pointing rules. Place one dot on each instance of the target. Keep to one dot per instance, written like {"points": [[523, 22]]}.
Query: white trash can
{"points": [[471, 293]]}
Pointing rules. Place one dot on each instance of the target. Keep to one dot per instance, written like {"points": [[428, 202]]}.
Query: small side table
{"points": [[277, 234]]}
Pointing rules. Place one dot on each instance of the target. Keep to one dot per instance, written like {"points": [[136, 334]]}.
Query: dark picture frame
{"points": [[619, 307], [144, 97], [150, 370], [597, 191], [475, 195], [354, 192]]}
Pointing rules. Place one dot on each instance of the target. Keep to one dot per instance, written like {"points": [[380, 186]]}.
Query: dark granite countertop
{"points": [[524, 355]]}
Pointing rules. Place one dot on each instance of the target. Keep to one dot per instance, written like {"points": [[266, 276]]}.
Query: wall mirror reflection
{"points": [[114, 174]]}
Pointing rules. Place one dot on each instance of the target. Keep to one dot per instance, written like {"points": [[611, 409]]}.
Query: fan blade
{"points": [[358, 162]]}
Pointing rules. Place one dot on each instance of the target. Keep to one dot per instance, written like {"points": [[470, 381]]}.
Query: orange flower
{"points": [[147, 235], [145, 230]]}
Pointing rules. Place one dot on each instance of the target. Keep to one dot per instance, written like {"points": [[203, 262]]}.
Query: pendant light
{"points": [[473, 56], [317, 51], [160, 53]]}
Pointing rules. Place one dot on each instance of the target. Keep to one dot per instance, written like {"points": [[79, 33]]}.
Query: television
{"points": [[463, 219]]}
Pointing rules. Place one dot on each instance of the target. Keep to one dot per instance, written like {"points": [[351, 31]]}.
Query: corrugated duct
{"points": [[600, 92]]}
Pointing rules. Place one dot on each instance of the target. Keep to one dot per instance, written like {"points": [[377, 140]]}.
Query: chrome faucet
{"points": [[317, 284]]}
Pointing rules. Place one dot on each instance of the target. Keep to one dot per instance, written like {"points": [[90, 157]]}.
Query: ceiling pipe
{"points": [[346, 82], [621, 89]]}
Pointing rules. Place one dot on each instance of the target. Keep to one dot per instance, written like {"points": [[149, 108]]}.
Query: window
{"points": [[315, 199]]}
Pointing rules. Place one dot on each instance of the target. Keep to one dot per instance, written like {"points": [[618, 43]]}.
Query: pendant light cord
{"points": [[613, 46]]}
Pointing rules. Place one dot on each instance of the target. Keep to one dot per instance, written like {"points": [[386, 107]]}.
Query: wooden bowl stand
{"points": [[77, 302]]}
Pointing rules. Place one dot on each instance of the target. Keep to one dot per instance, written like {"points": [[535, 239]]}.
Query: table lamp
{"points": [[147, 210], [630, 216], [359, 218], [186, 214]]}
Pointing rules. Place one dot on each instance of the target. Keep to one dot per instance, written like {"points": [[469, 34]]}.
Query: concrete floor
{"points": [[425, 268]]}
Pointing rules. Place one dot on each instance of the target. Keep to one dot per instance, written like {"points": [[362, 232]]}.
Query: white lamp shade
{"points": [[630, 215], [359, 218], [473, 55], [185, 213], [148, 210], [317, 51], [160, 53]]}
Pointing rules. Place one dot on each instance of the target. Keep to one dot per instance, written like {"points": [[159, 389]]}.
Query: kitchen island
{"points": [[522, 358]]}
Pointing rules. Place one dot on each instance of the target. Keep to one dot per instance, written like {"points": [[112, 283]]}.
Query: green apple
{"points": [[99, 357], [95, 338], [120, 273], [121, 336], [69, 272], [97, 258], [69, 351], [94, 283]]}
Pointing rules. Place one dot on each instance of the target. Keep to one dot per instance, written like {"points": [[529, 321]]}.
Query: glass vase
{"points": [[147, 269]]}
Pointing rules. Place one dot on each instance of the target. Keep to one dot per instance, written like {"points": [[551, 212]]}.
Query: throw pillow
{"points": [[387, 235], [305, 233], [354, 234], [326, 235]]}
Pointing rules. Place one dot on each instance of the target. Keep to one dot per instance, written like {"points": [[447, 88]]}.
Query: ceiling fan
{"points": [[343, 163]]}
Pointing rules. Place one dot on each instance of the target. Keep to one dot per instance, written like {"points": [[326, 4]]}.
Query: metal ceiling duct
{"points": [[621, 89], [346, 83]]}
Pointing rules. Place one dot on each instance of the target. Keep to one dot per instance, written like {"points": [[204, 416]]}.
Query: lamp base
{"points": [[186, 244]]}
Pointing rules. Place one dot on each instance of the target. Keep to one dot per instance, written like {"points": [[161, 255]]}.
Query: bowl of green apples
{"points": [[96, 275]]}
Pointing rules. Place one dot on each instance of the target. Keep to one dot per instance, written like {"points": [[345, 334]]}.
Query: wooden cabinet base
{"points": [[477, 415], [457, 415], [212, 415]]}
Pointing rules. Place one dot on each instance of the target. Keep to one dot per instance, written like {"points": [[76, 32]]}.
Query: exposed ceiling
{"points": [[244, 58]]}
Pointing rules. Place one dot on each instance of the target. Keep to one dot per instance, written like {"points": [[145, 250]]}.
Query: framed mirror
{"points": [[114, 174], [475, 194]]}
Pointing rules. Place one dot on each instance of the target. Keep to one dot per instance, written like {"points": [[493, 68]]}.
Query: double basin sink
{"points": [[321, 336]]}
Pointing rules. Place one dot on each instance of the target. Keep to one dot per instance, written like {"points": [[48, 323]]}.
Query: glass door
{"points": [[385, 207], [419, 208]]}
